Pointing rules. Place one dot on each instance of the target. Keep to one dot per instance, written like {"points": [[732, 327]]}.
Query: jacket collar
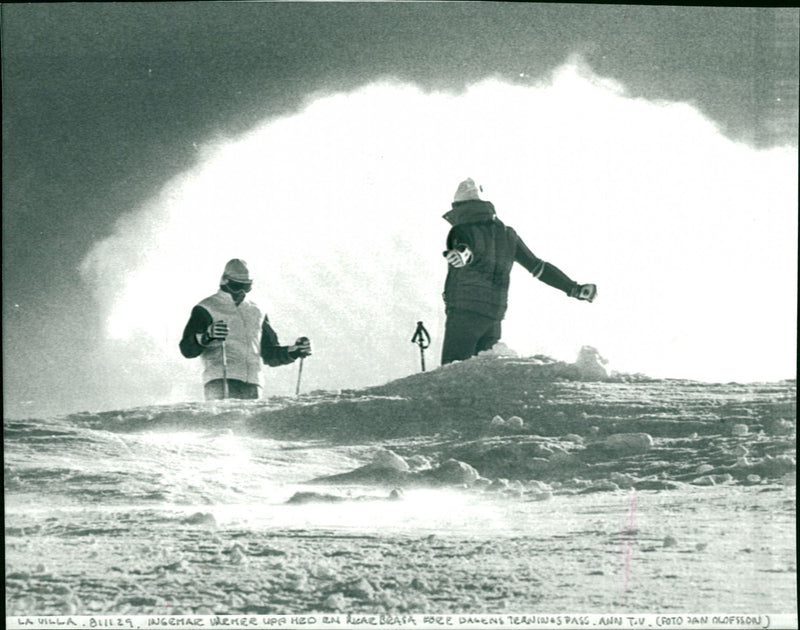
{"points": [[472, 211], [227, 297]]}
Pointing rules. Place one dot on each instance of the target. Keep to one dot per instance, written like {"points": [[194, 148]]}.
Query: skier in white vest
{"points": [[233, 339]]}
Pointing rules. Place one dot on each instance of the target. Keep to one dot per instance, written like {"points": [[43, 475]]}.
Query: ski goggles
{"points": [[239, 286]]}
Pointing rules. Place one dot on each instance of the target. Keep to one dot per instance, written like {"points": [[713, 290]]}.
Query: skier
{"points": [[229, 333], [480, 252]]}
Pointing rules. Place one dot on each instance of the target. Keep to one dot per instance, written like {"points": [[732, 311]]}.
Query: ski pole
{"points": [[423, 340], [299, 374], [300, 370], [224, 372]]}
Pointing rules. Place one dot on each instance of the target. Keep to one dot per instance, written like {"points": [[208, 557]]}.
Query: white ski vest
{"points": [[243, 345]]}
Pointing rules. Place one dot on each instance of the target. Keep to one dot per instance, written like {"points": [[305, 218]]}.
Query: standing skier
{"points": [[481, 251], [229, 333]]}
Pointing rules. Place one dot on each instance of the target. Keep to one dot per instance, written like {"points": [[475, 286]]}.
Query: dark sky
{"points": [[102, 104]]}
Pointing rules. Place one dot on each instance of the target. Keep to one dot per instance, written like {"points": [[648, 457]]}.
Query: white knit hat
{"points": [[236, 270], [468, 189]]}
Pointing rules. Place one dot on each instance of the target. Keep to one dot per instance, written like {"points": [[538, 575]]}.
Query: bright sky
{"points": [[690, 236]]}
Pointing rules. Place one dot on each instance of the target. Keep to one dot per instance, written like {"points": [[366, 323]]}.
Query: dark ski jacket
{"points": [[482, 285]]}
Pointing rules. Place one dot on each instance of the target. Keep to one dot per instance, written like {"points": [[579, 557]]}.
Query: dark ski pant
{"points": [[466, 334], [236, 389]]}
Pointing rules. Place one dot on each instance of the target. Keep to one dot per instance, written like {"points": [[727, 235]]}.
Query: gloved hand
{"points": [[586, 292], [301, 348], [216, 331], [459, 257]]}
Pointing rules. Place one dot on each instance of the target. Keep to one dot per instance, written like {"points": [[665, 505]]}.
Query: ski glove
{"points": [[459, 257], [216, 330], [301, 348], [586, 292]]}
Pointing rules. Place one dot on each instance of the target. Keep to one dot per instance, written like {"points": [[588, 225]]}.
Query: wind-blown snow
{"points": [[348, 501], [690, 237]]}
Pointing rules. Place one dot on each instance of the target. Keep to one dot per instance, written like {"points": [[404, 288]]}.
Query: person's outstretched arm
{"points": [[552, 275]]}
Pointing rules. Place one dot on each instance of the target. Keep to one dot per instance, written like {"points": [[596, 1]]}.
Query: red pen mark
{"points": [[628, 542]]}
